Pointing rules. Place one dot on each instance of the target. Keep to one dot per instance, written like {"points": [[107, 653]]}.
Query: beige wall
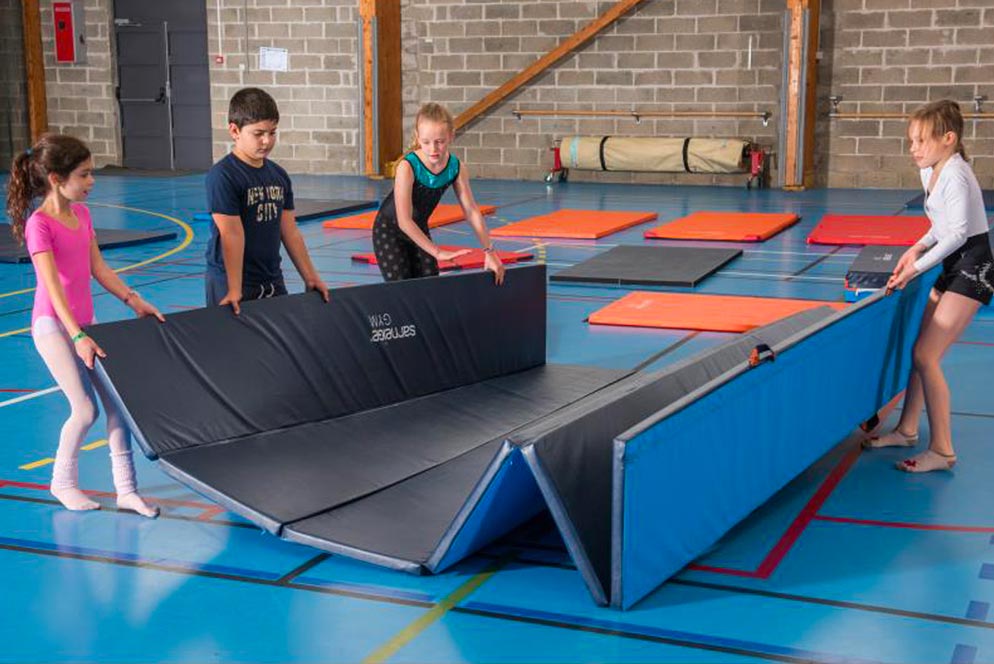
{"points": [[81, 96], [14, 131], [317, 96], [887, 55], [894, 55], [666, 55]]}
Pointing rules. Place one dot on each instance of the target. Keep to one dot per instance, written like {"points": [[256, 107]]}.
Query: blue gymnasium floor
{"points": [[854, 561]]}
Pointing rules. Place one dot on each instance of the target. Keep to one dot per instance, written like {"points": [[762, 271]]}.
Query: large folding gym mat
{"points": [[398, 425], [308, 209], [444, 214], [649, 473], [695, 311], [870, 270], [107, 238], [577, 224], [471, 261], [641, 265], [869, 229], [298, 408], [918, 202], [724, 226]]}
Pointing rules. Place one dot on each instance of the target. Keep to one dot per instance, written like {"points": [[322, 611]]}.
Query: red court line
{"points": [[909, 526], [207, 507], [15, 390], [976, 343], [210, 512], [800, 523]]}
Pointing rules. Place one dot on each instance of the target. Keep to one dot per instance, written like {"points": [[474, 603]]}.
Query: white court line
{"points": [[33, 395]]}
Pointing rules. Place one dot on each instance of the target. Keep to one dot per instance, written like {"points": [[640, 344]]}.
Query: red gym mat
{"points": [[728, 226], [577, 224], [869, 229], [443, 215], [692, 311], [470, 261]]}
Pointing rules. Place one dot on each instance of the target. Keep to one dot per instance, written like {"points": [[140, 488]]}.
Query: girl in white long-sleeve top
{"points": [[959, 240]]}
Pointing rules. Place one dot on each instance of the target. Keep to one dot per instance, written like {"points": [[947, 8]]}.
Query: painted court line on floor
{"points": [[28, 397], [49, 460], [797, 527], [449, 602]]}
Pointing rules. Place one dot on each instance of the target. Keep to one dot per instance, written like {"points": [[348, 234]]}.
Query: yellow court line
{"points": [[49, 460], [406, 635], [540, 249], [95, 444], [37, 464], [187, 239], [182, 245]]}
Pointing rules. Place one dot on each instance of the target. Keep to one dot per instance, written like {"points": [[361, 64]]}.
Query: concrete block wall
{"points": [[893, 56], [81, 99], [665, 55], [880, 55], [14, 131], [318, 96]]}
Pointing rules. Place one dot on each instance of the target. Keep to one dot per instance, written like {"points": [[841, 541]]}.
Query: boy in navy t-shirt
{"points": [[250, 199]]}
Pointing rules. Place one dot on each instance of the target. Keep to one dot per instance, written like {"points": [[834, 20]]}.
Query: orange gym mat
{"points": [[728, 226], [576, 224], [894, 231], [692, 311], [470, 261], [443, 215]]}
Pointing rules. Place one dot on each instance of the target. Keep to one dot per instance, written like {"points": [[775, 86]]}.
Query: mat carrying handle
{"points": [[761, 353]]}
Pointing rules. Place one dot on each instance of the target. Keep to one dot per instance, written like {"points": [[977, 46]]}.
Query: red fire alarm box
{"points": [[69, 36]]}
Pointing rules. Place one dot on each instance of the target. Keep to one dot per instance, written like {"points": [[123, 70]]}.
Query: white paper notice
{"points": [[272, 59]]}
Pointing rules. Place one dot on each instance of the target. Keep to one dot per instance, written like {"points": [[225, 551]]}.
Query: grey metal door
{"points": [[163, 83]]}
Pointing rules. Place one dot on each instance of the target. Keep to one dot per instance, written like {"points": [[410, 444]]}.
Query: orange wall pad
{"points": [[470, 261], [727, 226], [576, 224], [443, 215], [895, 231], [692, 311]]}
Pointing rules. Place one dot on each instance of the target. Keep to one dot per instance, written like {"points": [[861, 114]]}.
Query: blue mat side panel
{"points": [[696, 470], [566, 528], [505, 498]]}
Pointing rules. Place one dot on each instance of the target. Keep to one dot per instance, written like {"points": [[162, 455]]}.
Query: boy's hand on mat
{"points": [[444, 255], [143, 308], [233, 299], [319, 286], [492, 262], [87, 349]]}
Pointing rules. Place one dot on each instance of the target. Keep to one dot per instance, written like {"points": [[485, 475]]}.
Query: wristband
{"points": [[488, 250], [79, 335], [131, 293]]}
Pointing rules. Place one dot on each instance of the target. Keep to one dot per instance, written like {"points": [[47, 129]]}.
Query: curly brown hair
{"points": [[29, 171]]}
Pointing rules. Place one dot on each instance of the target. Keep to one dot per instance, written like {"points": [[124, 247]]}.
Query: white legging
{"points": [[73, 378]]}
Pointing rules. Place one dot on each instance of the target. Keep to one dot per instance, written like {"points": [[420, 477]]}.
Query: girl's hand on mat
{"points": [[899, 280], [87, 349], [908, 257], [317, 285], [233, 299], [444, 255], [492, 262], [143, 308]]}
